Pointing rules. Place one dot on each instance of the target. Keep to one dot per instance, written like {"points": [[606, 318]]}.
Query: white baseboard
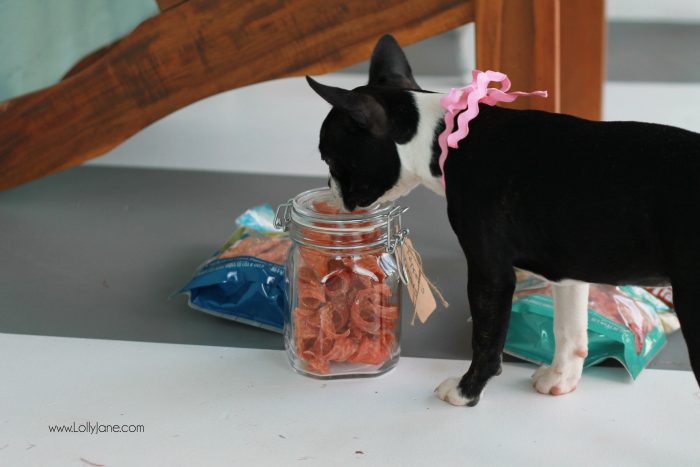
{"points": [[273, 127], [676, 104], [660, 11]]}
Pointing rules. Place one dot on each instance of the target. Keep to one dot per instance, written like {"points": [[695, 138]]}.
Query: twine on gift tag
{"points": [[420, 289]]}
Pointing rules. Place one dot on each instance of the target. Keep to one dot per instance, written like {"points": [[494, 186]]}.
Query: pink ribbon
{"points": [[468, 99]]}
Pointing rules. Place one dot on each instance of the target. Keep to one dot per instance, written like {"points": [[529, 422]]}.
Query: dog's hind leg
{"points": [[686, 301], [571, 340]]}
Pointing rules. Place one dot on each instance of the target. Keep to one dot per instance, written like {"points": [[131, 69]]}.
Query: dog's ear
{"points": [[389, 66], [364, 109]]}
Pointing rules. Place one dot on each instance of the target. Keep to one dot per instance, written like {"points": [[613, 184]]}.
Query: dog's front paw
{"points": [[558, 380], [449, 391]]}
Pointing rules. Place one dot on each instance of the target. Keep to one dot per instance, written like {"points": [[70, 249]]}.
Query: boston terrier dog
{"points": [[572, 200]]}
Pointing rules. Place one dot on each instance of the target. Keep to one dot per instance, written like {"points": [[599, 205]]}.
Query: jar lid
{"points": [[318, 211], [311, 207]]}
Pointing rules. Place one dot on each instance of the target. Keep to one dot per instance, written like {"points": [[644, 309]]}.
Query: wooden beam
{"points": [[194, 50], [101, 52], [168, 4], [89, 59]]}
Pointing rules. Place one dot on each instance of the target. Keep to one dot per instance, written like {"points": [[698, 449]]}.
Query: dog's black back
{"points": [[570, 198]]}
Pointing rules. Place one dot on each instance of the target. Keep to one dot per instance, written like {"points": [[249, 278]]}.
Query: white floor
{"points": [[273, 127], [212, 406]]}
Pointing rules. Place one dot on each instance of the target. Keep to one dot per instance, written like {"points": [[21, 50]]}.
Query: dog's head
{"points": [[359, 135]]}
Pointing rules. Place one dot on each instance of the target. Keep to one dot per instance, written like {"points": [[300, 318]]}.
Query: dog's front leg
{"points": [[570, 337], [490, 301]]}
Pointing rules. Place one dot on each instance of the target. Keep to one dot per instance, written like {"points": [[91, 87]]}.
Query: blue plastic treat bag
{"points": [[244, 280]]}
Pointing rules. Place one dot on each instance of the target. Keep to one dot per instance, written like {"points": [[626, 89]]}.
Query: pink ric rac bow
{"points": [[468, 99]]}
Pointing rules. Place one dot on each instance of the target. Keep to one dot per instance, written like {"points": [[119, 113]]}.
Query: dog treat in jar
{"points": [[344, 286]]}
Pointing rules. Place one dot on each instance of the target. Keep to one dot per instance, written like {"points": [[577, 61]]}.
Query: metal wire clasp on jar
{"points": [[344, 286]]}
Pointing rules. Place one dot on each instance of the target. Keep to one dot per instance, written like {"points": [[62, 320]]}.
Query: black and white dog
{"points": [[573, 200]]}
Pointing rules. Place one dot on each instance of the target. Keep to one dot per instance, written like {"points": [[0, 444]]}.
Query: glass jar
{"points": [[344, 286]]}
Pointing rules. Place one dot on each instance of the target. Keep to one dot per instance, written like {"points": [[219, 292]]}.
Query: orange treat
{"points": [[312, 296], [277, 253], [371, 350], [307, 276], [314, 259], [266, 248], [343, 349], [344, 312], [338, 284], [368, 265]]}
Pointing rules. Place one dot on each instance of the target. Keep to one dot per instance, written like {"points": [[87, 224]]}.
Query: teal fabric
{"points": [[40, 40]]}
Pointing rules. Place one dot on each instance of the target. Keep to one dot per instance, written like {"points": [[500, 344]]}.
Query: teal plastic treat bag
{"points": [[623, 324]]}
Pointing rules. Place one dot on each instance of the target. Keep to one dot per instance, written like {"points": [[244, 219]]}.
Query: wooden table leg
{"points": [[583, 33], [555, 45]]}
